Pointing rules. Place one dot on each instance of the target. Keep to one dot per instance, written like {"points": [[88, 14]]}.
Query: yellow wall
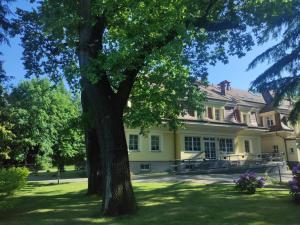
{"points": [[145, 154]]}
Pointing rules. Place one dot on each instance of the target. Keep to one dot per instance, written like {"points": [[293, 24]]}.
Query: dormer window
{"points": [[209, 113], [217, 114], [270, 121]]}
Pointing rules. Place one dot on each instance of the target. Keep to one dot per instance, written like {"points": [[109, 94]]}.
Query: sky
{"points": [[234, 71]]}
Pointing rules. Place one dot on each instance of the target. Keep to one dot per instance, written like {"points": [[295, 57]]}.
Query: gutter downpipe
{"points": [[175, 149], [285, 146]]}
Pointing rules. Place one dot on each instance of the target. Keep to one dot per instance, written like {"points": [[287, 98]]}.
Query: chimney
{"points": [[224, 86], [267, 97]]}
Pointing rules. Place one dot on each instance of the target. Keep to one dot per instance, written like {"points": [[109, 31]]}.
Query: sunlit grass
{"points": [[159, 203]]}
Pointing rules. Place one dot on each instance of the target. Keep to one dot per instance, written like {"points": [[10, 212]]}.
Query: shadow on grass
{"points": [[177, 203]]}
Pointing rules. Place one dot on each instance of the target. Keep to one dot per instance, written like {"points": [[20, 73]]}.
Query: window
{"points": [[217, 114], [292, 150], [226, 145], [275, 149], [209, 113], [133, 142], [191, 112], [244, 118], [155, 143], [145, 167], [270, 122], [247, 146], [192, 144]]}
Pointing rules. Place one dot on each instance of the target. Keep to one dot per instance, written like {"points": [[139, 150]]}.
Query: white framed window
{"points": [[275, 149], [226, 145], [292, 150], [270, 121], [155, 143], [145, 167], [245, 118], [218, 114], [133, 142], [247, 146], [192, 144]]}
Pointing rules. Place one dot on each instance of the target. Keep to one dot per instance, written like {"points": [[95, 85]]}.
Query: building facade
{"points": [[236, 126]]}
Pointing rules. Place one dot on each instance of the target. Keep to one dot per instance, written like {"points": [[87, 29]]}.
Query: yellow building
{"points": [[237, 127]]}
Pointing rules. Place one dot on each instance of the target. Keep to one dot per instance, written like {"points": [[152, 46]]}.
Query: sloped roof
{"points": [[243, 97]]}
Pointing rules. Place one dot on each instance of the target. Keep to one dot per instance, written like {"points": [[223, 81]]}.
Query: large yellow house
{"points": [[237, 127]]}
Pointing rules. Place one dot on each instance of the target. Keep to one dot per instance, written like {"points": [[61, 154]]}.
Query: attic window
{"points": [[209, 113]]}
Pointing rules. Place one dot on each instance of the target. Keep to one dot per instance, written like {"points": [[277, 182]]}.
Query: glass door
{"points": [[210, 148]]}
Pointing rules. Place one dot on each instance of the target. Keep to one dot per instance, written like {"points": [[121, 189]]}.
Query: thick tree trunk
{"points": [[93, 163], [118, 197], [93, 152]]}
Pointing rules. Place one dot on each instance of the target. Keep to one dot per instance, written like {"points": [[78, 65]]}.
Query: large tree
{"points": [[46, 123], [6, 135], [145, 51], [283, 75]]}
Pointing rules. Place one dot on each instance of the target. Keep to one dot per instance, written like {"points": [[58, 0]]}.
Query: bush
{"points": [[12, 179], [248, 182], [295, 183]]}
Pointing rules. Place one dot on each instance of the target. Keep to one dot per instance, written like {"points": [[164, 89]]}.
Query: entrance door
{"points": [[210, 148]]}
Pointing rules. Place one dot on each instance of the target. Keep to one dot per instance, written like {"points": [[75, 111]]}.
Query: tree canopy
{"points": [[46, 123], [282, 77]]}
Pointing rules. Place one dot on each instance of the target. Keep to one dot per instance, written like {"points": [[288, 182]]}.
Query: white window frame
{"points": [[193, 137], [160, 142], [250, 146], [219, 113], [270, 121], [145, 170], [275, 149], [139, 142], [226, 147]]}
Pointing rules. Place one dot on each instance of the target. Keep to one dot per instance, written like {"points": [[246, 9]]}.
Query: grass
{"points": [[159, 203]]}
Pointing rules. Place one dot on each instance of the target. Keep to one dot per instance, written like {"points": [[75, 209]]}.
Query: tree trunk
{"points": [[93, 163], [93, 152]]}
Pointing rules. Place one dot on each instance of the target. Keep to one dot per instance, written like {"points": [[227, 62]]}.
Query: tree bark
{"points": [[93, 154], [93, 151]]}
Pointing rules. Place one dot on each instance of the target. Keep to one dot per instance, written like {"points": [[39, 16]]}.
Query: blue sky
{"points": [[234, 71]]}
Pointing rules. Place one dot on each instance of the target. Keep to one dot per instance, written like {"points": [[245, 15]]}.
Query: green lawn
{"points": [[168, 203]]}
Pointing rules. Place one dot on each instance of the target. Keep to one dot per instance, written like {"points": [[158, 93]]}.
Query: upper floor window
{"points": [[269, 121], [275, 149], [217, 114], [226, 145], [209, 113], [192, 144], [155, 143], [133, 144], [245, 118]]}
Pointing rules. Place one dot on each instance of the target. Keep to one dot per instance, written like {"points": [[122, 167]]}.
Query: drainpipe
{"points": [[285, 146], [175, 147]]}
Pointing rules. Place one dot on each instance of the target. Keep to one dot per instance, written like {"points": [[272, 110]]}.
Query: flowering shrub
{"points": [[295, 183], [248, 182]]}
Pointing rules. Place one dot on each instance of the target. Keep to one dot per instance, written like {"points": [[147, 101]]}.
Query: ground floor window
{"points": [[247, 146], [133, 144], [226, 145], [192, 144], [275, 149], [145, 167], [155, 143]]}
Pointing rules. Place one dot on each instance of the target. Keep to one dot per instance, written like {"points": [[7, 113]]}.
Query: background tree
{"points": [[283, 75], [6, 27], [46, 119], [142, 50]]}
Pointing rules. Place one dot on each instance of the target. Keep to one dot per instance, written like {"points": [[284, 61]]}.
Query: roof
{"points": [[243, 97]]}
